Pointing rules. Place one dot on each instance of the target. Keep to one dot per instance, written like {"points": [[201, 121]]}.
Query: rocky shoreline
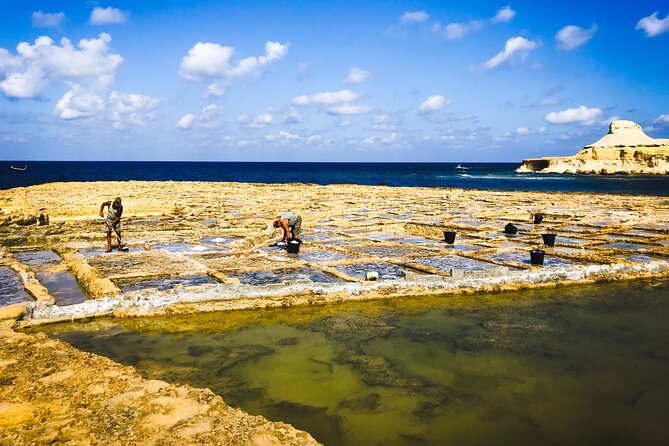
{"points": [[198, 247]]}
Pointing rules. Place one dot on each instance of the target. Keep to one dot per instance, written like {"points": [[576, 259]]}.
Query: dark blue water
{"points": [[491, 176]]}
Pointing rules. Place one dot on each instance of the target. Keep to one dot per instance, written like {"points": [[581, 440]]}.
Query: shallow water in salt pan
{"points": [[61, 284], [11, 288], [573, 366]]}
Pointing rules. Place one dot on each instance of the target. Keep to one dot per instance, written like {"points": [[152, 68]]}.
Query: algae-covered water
{"points": [[573, 365]]}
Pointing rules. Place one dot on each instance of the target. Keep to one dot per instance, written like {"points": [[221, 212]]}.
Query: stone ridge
{"points": [[626, 149]]}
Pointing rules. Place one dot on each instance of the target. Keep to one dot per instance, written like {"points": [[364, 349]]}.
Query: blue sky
{"points": [[326, 81]]}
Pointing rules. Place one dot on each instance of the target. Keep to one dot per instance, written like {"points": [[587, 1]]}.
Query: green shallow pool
{"points": [[575, 365]]}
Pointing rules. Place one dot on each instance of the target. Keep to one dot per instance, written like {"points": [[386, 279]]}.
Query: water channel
{"points": [[573, 365]]}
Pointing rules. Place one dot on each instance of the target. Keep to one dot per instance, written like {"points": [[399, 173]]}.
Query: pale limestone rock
{"points": [[371, 275], [626, 149], [13, 311]]}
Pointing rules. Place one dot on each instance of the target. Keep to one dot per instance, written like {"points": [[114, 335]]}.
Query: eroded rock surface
{"points": [[51, 393]]}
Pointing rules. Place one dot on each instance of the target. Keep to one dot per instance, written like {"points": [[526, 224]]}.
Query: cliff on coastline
{"points": [[626, 149]]}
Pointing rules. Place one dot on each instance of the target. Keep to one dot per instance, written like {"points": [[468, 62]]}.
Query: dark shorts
{"points": [[116, 227], [297, 227]]}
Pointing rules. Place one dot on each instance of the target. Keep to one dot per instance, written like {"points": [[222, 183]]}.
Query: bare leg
{"points": [[109, 242]]}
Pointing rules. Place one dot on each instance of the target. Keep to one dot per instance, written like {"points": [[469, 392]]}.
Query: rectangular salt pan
{"points": [[387, 271], [629, 246], [11, 289], [524, 258], [447, 263], [163, 284], [383, 251], [321, 256], [274, 277]]}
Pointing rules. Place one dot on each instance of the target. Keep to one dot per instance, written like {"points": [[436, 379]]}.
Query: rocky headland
{"points": [[625, 150]]}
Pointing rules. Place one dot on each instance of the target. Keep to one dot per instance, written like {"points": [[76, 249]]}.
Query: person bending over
{"points": [[113, 221], [291, 225]]}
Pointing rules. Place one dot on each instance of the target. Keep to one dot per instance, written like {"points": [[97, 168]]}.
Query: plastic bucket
{"points": [[538, 218], [449, 237], [537, 257], [549, 239], [293, 245], [510, 229]]}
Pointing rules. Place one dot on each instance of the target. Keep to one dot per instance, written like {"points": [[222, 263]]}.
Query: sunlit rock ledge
{"points": [[625, 150]]}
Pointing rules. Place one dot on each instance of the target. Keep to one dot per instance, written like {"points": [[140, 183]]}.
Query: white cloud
{"points": [[504, 15], [314, 138], [35, 66], [283, 136], [78, 103], [571, 36], [209, 112], [107, 16], [326, 98], [522, 131], [411, 17], [548, 101], [390, 139], [214, 90], [582, 114], [385, 122], [432, 104], [256, 122], [458, 30], [185, 121], [662, 119], [121, 108], [287, 135], [212, 61], [356, 76], [334, 102], [292, 117], [518, 44], [131, 109], [347, 109], [47, 19], [653, 26]]}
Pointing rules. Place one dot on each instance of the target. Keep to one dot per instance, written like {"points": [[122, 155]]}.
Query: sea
{"points": [[487, 176]]}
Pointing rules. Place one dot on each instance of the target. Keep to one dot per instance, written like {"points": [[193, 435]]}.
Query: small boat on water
{"points": [[18, 168], [459, 167]]}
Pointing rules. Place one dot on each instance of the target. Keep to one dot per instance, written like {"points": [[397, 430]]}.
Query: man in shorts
{"points": [[291, 225], [113, 221]]}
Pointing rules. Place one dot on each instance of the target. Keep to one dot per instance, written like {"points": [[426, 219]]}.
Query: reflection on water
{"points": [[11, 288], [575, 365]]}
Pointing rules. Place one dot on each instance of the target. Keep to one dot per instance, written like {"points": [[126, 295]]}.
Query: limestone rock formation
{"points": [[626, 149]]}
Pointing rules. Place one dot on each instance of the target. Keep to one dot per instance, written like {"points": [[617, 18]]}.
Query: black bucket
{"points": [[449, 237], [293, 245], [538, 218], [549, 239], [537, 257], [510, 229]]}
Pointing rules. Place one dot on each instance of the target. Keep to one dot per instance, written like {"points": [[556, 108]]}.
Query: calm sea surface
{"points": [[495, 176], [580, 365]]}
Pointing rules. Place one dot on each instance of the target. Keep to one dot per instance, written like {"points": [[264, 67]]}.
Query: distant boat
{"points": [[461, 167], [18, 168]]}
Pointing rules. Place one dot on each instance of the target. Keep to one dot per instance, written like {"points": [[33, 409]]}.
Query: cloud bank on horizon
{"points": [[391, 83]]}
